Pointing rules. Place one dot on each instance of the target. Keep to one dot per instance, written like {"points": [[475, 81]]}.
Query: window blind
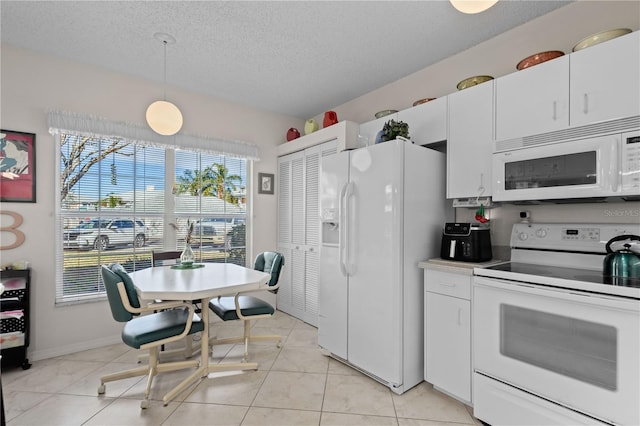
{"points": [[119, 199], [85, 124]]}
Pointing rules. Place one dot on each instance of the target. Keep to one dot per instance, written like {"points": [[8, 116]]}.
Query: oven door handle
{"points": [[619, 303]]}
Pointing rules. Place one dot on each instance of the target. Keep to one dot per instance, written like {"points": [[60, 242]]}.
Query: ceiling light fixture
{"points": [[472, 6], [164, 117]]}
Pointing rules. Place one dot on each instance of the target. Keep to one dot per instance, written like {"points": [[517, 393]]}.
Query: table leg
{"points": [[202, 370], [204, 340], [227, 366], [206, 368]]}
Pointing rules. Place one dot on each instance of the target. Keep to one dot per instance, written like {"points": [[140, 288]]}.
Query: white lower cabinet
{"points": [[448, 332]]}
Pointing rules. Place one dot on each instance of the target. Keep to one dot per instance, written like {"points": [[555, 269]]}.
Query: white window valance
{"points": [[85, 124]]}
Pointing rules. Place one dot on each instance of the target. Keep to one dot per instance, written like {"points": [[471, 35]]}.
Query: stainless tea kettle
{"points": [[623, 263]]}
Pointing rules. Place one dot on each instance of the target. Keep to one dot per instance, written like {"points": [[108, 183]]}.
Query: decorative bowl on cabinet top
{"points": [[598, 38], [538, 58], [422, 101], [385, 112], [472, 81]]}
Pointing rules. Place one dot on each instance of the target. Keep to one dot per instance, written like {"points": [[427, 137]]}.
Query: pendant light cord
{"points": [[164, 42]]}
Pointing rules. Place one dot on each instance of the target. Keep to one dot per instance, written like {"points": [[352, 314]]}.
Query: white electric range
{"points": [[556, 341]]}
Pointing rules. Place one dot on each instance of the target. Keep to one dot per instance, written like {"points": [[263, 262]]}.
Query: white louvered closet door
{"points": [[284, 229], [299, 213], [298, 235], [313, 161]]}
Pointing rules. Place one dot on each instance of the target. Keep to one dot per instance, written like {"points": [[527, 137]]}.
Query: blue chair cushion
{"points": [[110, 280], [270, 262], [119, 270], [225, 307], [157, 326]]}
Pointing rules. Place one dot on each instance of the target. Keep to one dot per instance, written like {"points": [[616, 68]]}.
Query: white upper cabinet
{"points": [[595, 84], [470, 143], [605, 81], [534, 100], [427, 122], [344, 133]]}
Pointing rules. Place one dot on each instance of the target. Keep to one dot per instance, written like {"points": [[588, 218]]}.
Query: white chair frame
{"points": [[154, 366]]}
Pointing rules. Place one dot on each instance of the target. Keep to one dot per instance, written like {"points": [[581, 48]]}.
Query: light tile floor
{"points": [[294, 385]]}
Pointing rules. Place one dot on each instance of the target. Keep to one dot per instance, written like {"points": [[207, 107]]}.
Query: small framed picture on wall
{"points": [[265, 183], [17, 166]]}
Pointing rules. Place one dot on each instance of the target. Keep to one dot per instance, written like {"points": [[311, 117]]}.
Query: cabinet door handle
{"points": [[459, 316], [585, 104], [555, 110], [446, 284]]}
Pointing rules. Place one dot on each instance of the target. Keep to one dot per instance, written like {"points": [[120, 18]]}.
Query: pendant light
{"points": [[472, 6], [164, 117]]}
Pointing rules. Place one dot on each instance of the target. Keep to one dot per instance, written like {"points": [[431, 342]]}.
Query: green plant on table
{"points": [[187, 238]]}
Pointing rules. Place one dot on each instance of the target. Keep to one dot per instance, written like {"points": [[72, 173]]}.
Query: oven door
{"points": [[571, 348], [584, 168]]}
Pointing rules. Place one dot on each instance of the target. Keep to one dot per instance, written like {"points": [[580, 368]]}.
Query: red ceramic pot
{"points": [[292, 134], [330, 117]]}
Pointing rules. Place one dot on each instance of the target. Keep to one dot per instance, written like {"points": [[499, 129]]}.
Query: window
{"points": [[211, 192], [115, 197]]}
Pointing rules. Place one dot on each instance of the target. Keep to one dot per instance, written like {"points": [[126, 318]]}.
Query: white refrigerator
{"points": [[382, 211]]}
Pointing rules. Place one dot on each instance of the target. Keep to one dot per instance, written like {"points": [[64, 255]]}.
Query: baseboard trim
{"points": [[39, 355]]}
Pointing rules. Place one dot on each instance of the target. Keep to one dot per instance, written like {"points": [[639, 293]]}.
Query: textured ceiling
{"points": [[294, 58]]}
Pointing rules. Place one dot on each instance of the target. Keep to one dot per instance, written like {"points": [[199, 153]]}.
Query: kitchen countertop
{"points": [[465, 268]]}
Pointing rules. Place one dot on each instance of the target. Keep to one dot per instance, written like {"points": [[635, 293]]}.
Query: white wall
{"points": [[503, 217], [31, 84], [559, 30]]}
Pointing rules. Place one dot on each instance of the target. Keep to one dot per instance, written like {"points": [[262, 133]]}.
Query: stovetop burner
{"points": [[563, 273], [536, 249]]}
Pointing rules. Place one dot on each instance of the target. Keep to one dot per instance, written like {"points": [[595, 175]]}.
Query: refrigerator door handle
{"points": [[347, 227], [346, 193], [341, 232]]}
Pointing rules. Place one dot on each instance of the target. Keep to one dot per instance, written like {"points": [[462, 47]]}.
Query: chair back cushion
{"points": [[270, 262], [161, 258], [119, 270], [111, 280]]}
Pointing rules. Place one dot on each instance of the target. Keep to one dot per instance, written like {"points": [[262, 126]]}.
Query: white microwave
{"points": [[595, 167]]}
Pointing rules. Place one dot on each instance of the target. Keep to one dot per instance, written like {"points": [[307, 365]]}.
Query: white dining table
{"points": [[199, 285]]}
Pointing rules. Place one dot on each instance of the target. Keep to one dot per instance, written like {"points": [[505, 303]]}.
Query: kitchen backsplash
{"points": [[504, 216]]}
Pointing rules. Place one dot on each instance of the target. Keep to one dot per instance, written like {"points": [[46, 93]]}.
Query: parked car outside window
{"points": [[222, 225], [101, 234], [207, 234]]}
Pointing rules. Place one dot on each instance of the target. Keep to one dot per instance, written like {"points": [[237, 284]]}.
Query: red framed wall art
{"points": [[17, 166]]}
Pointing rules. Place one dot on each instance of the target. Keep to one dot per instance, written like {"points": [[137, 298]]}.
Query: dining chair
{"points": [[246, 308], [165, 258], [162, 323]]}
